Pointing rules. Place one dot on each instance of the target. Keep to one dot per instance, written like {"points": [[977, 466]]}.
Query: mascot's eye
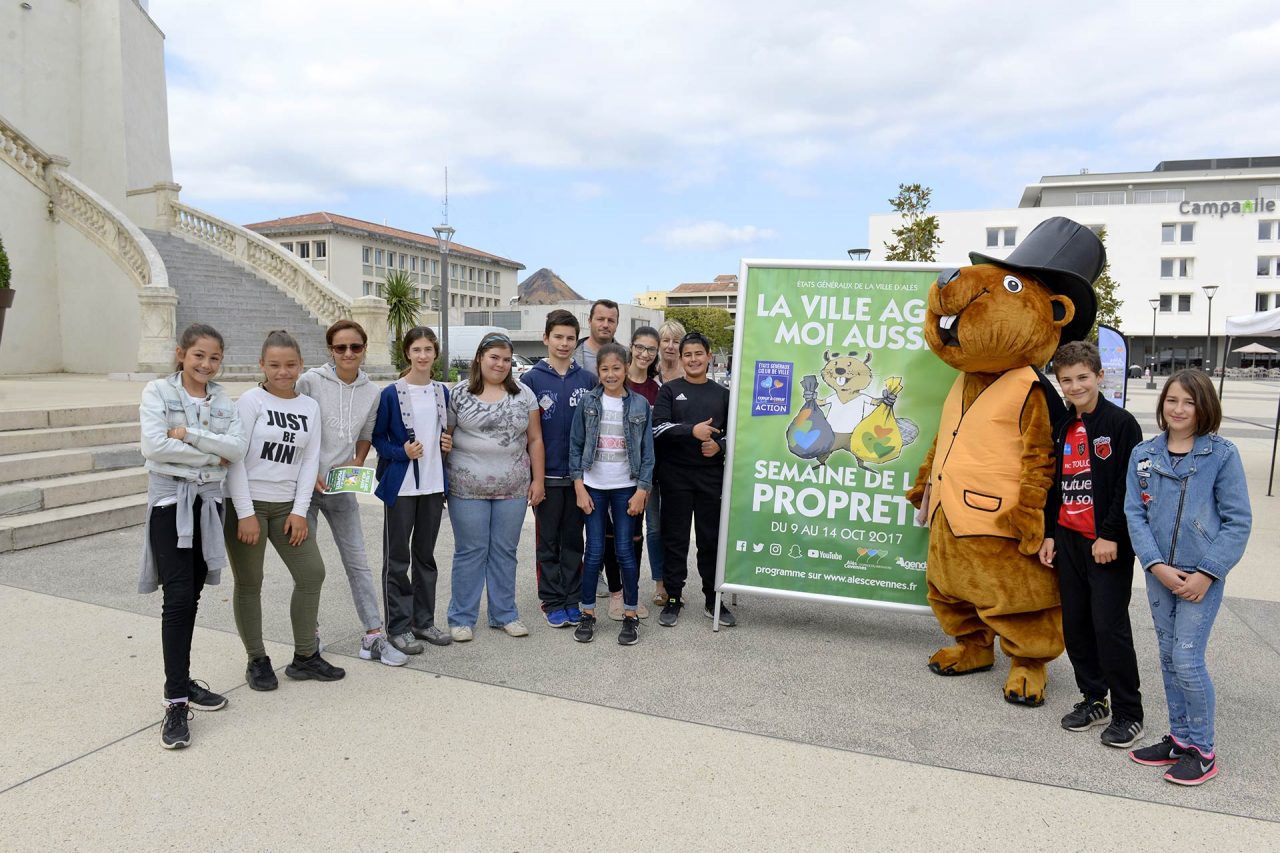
{"points": [[1012, 284]]}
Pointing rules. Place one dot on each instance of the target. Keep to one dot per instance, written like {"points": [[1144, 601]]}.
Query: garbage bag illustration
{"points": [[809, 435], [880, 436]]}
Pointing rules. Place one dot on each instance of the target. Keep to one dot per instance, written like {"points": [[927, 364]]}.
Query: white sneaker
{"points": [[516, 629], [460, 633], [376, 647]]}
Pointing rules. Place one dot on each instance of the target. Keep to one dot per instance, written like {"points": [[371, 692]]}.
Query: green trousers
{"points": [[304, 563]]}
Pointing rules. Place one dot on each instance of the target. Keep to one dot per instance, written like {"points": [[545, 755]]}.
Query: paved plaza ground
{"points": [[809, 726]]}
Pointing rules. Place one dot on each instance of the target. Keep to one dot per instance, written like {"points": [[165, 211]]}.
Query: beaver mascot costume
{"points": [[983, 485]]}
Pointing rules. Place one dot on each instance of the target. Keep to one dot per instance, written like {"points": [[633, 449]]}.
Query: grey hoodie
{"points": [[347, 412]]}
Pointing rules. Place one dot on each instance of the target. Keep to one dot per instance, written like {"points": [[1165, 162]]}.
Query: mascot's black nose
{"points": [[946, 277]]}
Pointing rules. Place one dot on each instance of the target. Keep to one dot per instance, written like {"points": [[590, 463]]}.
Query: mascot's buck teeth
{"points": [[948, 321]]}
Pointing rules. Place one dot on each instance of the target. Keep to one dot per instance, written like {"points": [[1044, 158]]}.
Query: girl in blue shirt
{"points": [[1188, 511]]}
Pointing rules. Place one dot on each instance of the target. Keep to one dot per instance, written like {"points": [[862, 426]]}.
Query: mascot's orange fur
{"points": [[989, 320]]}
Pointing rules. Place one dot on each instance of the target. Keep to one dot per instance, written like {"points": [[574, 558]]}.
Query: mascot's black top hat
{"points": [[1068, 258]]}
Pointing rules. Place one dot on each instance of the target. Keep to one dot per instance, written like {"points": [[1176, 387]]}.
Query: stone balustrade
{"points": [[269, 261], [22, 154]]}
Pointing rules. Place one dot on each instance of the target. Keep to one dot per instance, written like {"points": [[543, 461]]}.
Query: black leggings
{"points": [[612, 572], [182, 573]]}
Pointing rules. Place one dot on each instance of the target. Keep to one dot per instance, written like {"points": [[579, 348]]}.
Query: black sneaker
{"points": [[201, 698], [261, 675], [314, 668], [1192, 768], [670, 614], [630, 633], [174, 733], [1122, 732], [1159, 754], [727, 619], [586, 630], [1087, 714]]}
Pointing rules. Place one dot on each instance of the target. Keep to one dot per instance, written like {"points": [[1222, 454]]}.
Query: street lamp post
{"points": [[444, 234], [858, 254], [1155, 306], [1209, 291]]}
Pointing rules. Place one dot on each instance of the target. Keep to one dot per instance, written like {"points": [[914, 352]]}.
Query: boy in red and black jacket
{"points": [[1087, 540]]}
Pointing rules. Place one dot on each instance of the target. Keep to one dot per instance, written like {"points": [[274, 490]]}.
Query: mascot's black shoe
{"points": [[1022, 699], [937, 669]]}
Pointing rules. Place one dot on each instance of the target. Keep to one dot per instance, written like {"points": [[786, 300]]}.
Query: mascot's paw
{"points": [[1025, 685], [915, 496], [1029, 525], [962, 659]]}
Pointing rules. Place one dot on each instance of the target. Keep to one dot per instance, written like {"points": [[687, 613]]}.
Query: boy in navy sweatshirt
{"points": [[559, 383], [1087, 540]]}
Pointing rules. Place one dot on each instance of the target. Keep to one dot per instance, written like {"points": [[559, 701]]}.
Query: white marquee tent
{"points": [[1264, 324]]}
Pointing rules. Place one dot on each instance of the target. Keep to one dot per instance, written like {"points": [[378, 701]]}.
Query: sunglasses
{"points": [[342, 349]]}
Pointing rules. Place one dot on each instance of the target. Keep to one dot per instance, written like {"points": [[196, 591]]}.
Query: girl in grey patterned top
{"points": [[495, 474]]}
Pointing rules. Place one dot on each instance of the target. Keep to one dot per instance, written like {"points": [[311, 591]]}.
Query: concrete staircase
{"points": [[69, 473], [237, 303]]}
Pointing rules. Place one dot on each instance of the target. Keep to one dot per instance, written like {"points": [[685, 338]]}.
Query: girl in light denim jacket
{"points": [[1188, 511], [611, 464], [191, 432]]}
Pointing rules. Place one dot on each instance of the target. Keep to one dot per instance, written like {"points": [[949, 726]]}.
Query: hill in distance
{"points": [[544, 287]]}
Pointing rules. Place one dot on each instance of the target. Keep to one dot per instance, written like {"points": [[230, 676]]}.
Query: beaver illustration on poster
{"points": [[847, 418]]}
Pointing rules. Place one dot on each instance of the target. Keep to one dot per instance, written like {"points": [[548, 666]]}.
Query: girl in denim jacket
{"points": [[191, 432], [1187, 506], [611, 464]]}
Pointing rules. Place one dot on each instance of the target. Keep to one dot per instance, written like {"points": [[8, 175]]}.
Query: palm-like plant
{"points": [[403, 306], [5, 274]]}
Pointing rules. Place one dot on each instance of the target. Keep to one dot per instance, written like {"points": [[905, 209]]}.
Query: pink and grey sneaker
{"points": [[1161, 754], [1193, 768]]}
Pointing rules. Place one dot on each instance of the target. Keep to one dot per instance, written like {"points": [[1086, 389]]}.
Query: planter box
{"points": [[6, 301]]}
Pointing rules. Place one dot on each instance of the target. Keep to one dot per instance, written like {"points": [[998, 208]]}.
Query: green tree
{"points": [[917, 239], [715, 323], [1108, 301], [403, 307], [5, 274]]}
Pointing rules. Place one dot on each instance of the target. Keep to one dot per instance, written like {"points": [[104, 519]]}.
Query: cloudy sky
{"points": [[635, 145]]}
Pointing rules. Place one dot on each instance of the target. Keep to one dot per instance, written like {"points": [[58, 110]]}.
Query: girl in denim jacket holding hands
{"points": [[611, 463], [1189, 517]]}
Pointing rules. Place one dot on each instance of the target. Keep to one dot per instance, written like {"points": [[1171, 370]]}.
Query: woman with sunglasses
{"points": [[348, 405], [496, 471], [642, 378]]}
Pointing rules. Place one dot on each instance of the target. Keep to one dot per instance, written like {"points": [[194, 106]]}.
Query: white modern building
{"points": [[1182, 234], [357, 256]]}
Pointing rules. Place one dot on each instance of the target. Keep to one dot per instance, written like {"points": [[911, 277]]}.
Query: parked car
{"points": [[520, 365]]}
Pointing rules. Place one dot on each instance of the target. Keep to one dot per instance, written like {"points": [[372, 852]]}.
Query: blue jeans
{"points": [[486, 534], [610, 502], [653, 535], [1182, 632]]}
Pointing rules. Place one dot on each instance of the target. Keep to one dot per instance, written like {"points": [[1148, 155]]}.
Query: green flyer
{"points": [[350, 479], [834, 406]]}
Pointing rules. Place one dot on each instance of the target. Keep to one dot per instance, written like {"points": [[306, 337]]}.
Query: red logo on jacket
{"points": [[1102, 447]]}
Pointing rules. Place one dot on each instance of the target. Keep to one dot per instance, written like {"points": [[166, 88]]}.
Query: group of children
{"points": [[599, 455], [621, 444], [1180, 504], [577, 447]]}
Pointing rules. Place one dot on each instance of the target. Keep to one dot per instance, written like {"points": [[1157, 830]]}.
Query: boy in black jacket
{"points": [[689, 420], [1087, 539]]}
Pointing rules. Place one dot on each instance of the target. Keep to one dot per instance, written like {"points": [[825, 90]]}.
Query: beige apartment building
{"points": [[721, 293], [357, 256]]}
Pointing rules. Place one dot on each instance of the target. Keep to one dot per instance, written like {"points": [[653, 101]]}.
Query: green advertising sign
{"points": [[835, 402]]}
